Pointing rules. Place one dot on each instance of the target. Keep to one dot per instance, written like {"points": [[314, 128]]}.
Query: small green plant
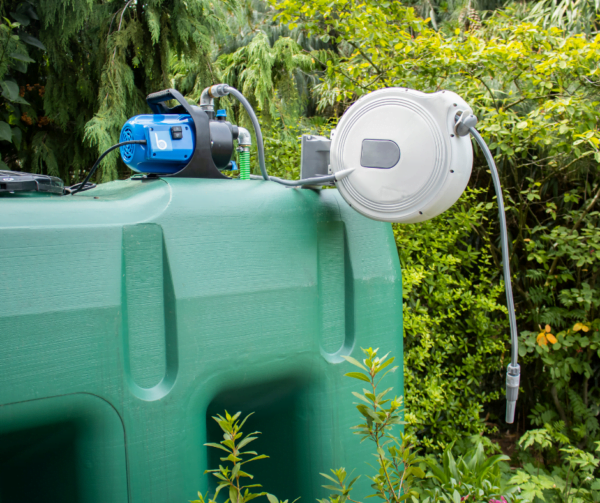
{"points": [[231, 477], [397, 470], [568, 477], [474, 476]]}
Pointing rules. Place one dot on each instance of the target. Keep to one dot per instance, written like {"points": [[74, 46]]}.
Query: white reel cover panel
{"points": [[409, 163]]}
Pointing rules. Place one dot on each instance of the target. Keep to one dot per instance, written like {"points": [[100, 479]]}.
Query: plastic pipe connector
{"points": [[220, 90], [513, 378], [464, 123]]}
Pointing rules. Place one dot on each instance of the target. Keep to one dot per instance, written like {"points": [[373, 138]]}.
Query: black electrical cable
{"points": [[79, 187]]}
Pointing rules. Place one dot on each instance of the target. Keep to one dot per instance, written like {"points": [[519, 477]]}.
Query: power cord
{"points": [[80, 187]]}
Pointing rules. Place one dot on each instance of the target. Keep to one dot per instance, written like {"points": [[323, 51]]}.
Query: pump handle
{"points": [[160, 96], [156, 99]]}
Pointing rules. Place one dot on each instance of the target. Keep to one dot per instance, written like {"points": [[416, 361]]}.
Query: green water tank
{"points": [[132, 313]]}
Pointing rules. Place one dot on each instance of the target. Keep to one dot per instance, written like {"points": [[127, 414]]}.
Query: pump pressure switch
{"points": [[176, 132]]}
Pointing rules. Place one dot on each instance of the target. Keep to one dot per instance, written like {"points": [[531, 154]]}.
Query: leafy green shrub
{"points": [[571, 353], [399, 474], [396, 471], [231, 478], [474, 476], [554, 470], [535, 91]]}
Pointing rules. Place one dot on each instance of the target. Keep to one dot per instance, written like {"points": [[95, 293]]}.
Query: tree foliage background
{"points": [[72, 72]]}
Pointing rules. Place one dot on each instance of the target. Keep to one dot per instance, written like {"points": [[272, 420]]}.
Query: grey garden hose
{"points": [[220, 90], [317, 180], [513, 373], [259, 139]]}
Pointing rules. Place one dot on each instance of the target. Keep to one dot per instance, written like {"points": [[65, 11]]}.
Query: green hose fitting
{"points": [[244, 159]]}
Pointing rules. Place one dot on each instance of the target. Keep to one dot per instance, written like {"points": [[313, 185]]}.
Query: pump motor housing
{"points": [[170, 142]]}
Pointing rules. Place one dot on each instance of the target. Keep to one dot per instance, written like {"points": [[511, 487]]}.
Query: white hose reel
{"points": [[409, 163]]}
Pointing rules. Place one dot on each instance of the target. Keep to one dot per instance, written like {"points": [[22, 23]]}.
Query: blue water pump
{"points": [[180, 141]]}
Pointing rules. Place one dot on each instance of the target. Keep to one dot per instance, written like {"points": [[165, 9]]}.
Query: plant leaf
{"points": [[354, 361], [28, 39], [5, 132], [358, 375], [22, 57], [22, 19], [10, 90], [217, 446], [246, 441]]}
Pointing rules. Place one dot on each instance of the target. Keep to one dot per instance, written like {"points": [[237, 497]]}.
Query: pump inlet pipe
{"points": [[465, 124], [244, 142], [220, 90]]}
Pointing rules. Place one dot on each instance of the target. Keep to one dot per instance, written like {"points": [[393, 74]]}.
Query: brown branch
{"points": [[532, 98], [441, 82], [366, 57], [110, 26], [486, 86], [577, 159], [557, 404], [515, 103], [338, 70], [120, 23]]}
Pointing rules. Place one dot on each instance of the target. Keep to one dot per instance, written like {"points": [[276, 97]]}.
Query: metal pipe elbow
{"points": [[207, 98], [244, 139]]}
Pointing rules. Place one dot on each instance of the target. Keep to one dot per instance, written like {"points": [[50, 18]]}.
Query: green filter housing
{"points": [[133, 312]]}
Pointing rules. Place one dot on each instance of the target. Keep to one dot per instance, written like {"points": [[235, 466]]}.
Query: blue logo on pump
{"points": [[160, 141]]}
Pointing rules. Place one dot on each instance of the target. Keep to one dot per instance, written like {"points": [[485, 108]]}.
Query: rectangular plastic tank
{"points": [[132, 313]]}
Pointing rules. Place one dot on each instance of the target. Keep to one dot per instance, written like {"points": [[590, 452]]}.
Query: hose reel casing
{"points": [[410, 165]]}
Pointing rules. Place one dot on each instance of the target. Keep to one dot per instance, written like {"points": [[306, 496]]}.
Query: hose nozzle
{"points": [[513, 377]]}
